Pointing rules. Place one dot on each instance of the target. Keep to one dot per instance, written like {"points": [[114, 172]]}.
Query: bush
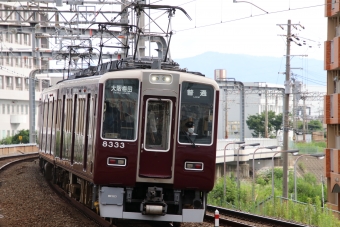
{"points": [[308, 192], [24, 133]]}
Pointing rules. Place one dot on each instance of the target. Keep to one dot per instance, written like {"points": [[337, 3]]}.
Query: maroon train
{"points": [[114, 141]]}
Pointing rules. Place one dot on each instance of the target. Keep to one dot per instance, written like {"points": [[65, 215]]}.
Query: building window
{"points": [[3, 108], [13, 131], [8, 37], [18, 82], [22, 109], [1, 82], [13, 107], [3, 134], [17, 38], [26, 109], [8, 109], [18, 107], [9, 81], [8, 133], [26, 39]]}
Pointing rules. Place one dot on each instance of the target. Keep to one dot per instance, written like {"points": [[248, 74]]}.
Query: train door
{"points": [[157, 129]]}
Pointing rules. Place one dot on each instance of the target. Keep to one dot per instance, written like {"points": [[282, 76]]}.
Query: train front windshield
{"points": [[120, 109], [196, 113]]}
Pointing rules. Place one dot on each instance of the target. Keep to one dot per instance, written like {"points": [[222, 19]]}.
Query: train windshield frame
{"points": [[120, 109], [196, 117], [158, 125]]}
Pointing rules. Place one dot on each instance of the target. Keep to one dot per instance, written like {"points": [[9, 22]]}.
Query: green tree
{"points": [[15, 139], [313, 125], [7, 140], [256, 123], [24, 133]]}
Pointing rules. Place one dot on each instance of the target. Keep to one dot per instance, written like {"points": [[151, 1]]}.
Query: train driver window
{"points": [[197, 110], [111, 120], [120, 108]]}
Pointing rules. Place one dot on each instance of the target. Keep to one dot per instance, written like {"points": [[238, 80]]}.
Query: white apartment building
{"points": [[15, 67]]}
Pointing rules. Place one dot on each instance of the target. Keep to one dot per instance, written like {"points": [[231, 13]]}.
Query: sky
{"points": [[243, 27], [247, 27], [239, 27]]}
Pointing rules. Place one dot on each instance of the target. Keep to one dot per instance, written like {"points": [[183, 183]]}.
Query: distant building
{"points": [[15, 66], [255, 103], [332, 105]]}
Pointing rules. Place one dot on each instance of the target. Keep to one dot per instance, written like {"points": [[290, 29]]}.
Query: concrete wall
{"points": [[18, 149]]}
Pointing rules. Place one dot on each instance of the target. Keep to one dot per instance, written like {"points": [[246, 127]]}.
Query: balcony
{"points": [[335, 184], [332, 109], [328, 162], [332, 54], [332, 8], [17, 119]]}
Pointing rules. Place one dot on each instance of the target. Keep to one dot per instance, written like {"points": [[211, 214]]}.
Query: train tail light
{"points": [[111, 161], [196, 166]]}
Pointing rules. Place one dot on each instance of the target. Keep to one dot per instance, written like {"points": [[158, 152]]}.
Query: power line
{"points": [[243, 18], [311, 80]]}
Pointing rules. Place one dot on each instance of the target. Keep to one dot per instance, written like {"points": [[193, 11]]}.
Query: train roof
{"points": [[130, 73]]}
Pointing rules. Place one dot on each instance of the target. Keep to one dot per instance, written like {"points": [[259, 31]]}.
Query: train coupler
{"points": [[154, 203]]}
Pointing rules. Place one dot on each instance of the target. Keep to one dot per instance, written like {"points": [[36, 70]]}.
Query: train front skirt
{"points": [[111, 201]]}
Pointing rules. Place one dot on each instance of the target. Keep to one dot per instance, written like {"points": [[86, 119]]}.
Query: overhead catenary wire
{"points": [[248, 17], [311, 80]]}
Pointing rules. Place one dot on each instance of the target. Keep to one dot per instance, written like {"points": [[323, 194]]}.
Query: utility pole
{"points": [[288, 90], [286, 116], [141, 24], [266, 114], [124, 19], [304, 118]]}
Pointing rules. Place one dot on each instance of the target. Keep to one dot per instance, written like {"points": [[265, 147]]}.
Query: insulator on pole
{"points": [[217, 218]]}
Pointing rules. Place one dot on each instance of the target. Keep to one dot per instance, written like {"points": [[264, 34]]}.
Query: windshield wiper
{"points": [[190, 140]]}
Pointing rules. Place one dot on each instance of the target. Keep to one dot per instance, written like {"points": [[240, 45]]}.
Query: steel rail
{"points": [[253, 217], [18, 158], [225, 221], [80, 207]]}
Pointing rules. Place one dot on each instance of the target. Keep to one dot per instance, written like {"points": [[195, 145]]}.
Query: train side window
{"points": [[196, 113], [69, 115], [80, 118], [59, 109], [50, 112], [120, 109]]}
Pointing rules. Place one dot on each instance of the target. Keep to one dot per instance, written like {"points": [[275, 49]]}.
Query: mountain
{"points": [[248, 68]]}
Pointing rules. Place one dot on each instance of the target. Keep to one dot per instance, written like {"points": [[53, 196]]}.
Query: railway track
{"points": [[235, 218], [33, 188], [27, 200], [6, 161], [86, 211]]}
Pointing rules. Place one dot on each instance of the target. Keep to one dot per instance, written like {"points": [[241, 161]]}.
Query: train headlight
{"points": [[196, 166], [160, 78]]}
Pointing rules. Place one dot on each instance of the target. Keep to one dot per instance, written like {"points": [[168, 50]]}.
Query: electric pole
{"points": [[266, 114], [288, 90], [286, 116]]}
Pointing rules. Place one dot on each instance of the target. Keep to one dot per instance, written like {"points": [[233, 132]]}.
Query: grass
{"points": [[311, 212]]}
